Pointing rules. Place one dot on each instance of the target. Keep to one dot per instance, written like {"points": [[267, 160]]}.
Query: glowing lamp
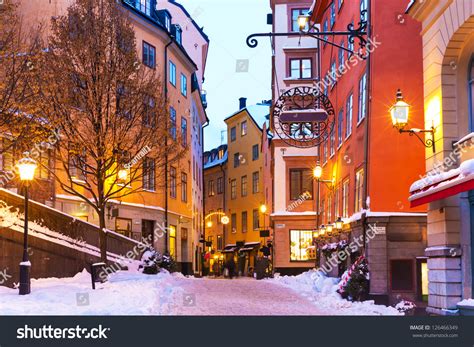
{"points": [[263, 208], [400, 112], [318, 172], [27, 167], [329, 228], [224, 220], [122, 174], [339, 223], [209, 224], [303, 21]]}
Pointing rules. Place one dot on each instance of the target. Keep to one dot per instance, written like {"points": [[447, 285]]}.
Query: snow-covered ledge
{"points": [[465, 147]]}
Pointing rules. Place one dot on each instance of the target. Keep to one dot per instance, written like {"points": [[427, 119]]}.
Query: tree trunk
{"points": [[103, 236]]}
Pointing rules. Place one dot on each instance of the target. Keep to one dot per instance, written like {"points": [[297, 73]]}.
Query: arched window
{"points": [[470, 79]]}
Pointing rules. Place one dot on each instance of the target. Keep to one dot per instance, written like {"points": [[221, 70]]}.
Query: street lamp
{"points": [[263, 208], [225, 220], [339, 224], [26, 167], [122, 175], [209, 224], [303, 21], [318, 171], [400, 113]]}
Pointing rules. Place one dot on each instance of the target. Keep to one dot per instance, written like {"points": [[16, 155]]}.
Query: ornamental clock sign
{"points": [[303, 117]]}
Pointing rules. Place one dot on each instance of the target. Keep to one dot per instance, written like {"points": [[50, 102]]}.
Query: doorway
{"points": [[147, 231]]}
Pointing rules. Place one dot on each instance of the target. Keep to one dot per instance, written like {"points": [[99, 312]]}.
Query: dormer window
{"points": [[178, 34], [167, 21], [145, 6]]}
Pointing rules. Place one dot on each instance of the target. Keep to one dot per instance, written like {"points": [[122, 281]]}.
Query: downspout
{"points": [[367, 128], [203, 182], [223, 207], [166, 153]]}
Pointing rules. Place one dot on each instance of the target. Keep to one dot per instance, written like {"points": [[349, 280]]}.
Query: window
{"points": [[172, 73], [233, 189], [332, 143], [255, 152], [243, 186], [322, 212], [349, 116], [210, 188], [329, 213], [149, 174], [173, 123], [243, 128], [220, 185], [179, 34], [359, 190], [301, 68], [333, 13], [167, 21], [184, 187], [340, 127], [149, 55], [401, 274], [336, 204], [345, 198], [301, 182], [341, 55], [173, 182], [295, 13], [233, 134], [325, 29], [340, 3], [184, 85], [43, 160], [220, 213], [256, 219], [363, 7], [362, 98], [220, 243], [145, 6], [172, 238], [325, 151], [244, 221], [77, 167], [123, 226], [301, 242], [233, 222], [236, 159], [184, 131], [255, 182], [149, 117], [333, 73]]}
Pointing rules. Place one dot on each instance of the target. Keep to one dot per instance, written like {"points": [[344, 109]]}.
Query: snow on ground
{"points": [[321, 291], [126, 293], [467, 302], [133, 293]]}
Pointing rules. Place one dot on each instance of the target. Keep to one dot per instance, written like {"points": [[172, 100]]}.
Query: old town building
{"points": [[447, 32]]}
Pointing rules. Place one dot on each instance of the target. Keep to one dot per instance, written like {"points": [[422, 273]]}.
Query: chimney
{"points": [[242, 103]]}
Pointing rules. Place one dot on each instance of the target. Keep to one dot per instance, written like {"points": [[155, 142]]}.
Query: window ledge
{"points": [[359, 122]]}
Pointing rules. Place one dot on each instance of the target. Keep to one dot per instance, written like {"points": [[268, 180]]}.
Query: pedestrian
{"points": [[231, 267]]}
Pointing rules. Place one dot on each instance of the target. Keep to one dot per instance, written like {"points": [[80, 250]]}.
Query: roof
{"points": [[410, 5], [200, 29], [213, 156], [158, 24], [259, 113]]}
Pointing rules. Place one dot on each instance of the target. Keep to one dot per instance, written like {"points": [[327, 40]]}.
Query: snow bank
{"points": [[467, 302], [321, 290], [126, 293]]}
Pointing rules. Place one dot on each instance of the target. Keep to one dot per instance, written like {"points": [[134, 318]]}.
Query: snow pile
{"points": [[321, 290], [467, 302], [126, 293]]}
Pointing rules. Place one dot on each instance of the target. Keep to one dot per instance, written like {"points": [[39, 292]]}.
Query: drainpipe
{"points": [[166, 145], [223, 207], [367, 129], [203, 182]]}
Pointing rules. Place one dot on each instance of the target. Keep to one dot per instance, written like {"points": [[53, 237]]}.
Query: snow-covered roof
{"points": [[212, 158], [260, 114]]}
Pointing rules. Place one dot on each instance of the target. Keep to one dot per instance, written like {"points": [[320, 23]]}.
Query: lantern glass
{"points": [[329, 228], [263, 208], [303, 21], [339, 223], [225, 220], [123, 174], [27, 167], [318, 172], [209, 224]]}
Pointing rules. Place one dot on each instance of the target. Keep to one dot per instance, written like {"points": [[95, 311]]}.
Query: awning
{"points": [[443, 189], [231, 248], [250, 246]]}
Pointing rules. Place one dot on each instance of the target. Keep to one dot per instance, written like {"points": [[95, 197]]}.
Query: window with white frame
{"points": [[345, 198], [359, 190], [362, 98], [301, 68], [340, 127], [349, 116]]}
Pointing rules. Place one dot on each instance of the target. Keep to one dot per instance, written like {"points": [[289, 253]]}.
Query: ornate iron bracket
{"points": [[428, 143], [359, 33]]}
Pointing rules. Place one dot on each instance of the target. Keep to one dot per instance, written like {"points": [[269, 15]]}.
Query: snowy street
{"points": [[132, 293]]}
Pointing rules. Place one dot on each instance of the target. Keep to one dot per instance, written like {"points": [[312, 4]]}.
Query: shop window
{"points": [[123, 226], [301, 243], [172, 240], [401, 275]]}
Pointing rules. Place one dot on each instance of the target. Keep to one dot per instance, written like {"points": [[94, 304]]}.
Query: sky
{"points": [[233, 69]]}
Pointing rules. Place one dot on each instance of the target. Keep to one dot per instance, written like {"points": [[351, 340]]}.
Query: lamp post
{"points": [[400, 112], [26, 167]]}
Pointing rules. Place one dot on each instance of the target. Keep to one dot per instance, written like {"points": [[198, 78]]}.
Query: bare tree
{"points": [[18, 55], [109, 108]]}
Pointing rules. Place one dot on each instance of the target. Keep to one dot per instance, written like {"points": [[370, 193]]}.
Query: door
{"points": [[147, 231]]}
